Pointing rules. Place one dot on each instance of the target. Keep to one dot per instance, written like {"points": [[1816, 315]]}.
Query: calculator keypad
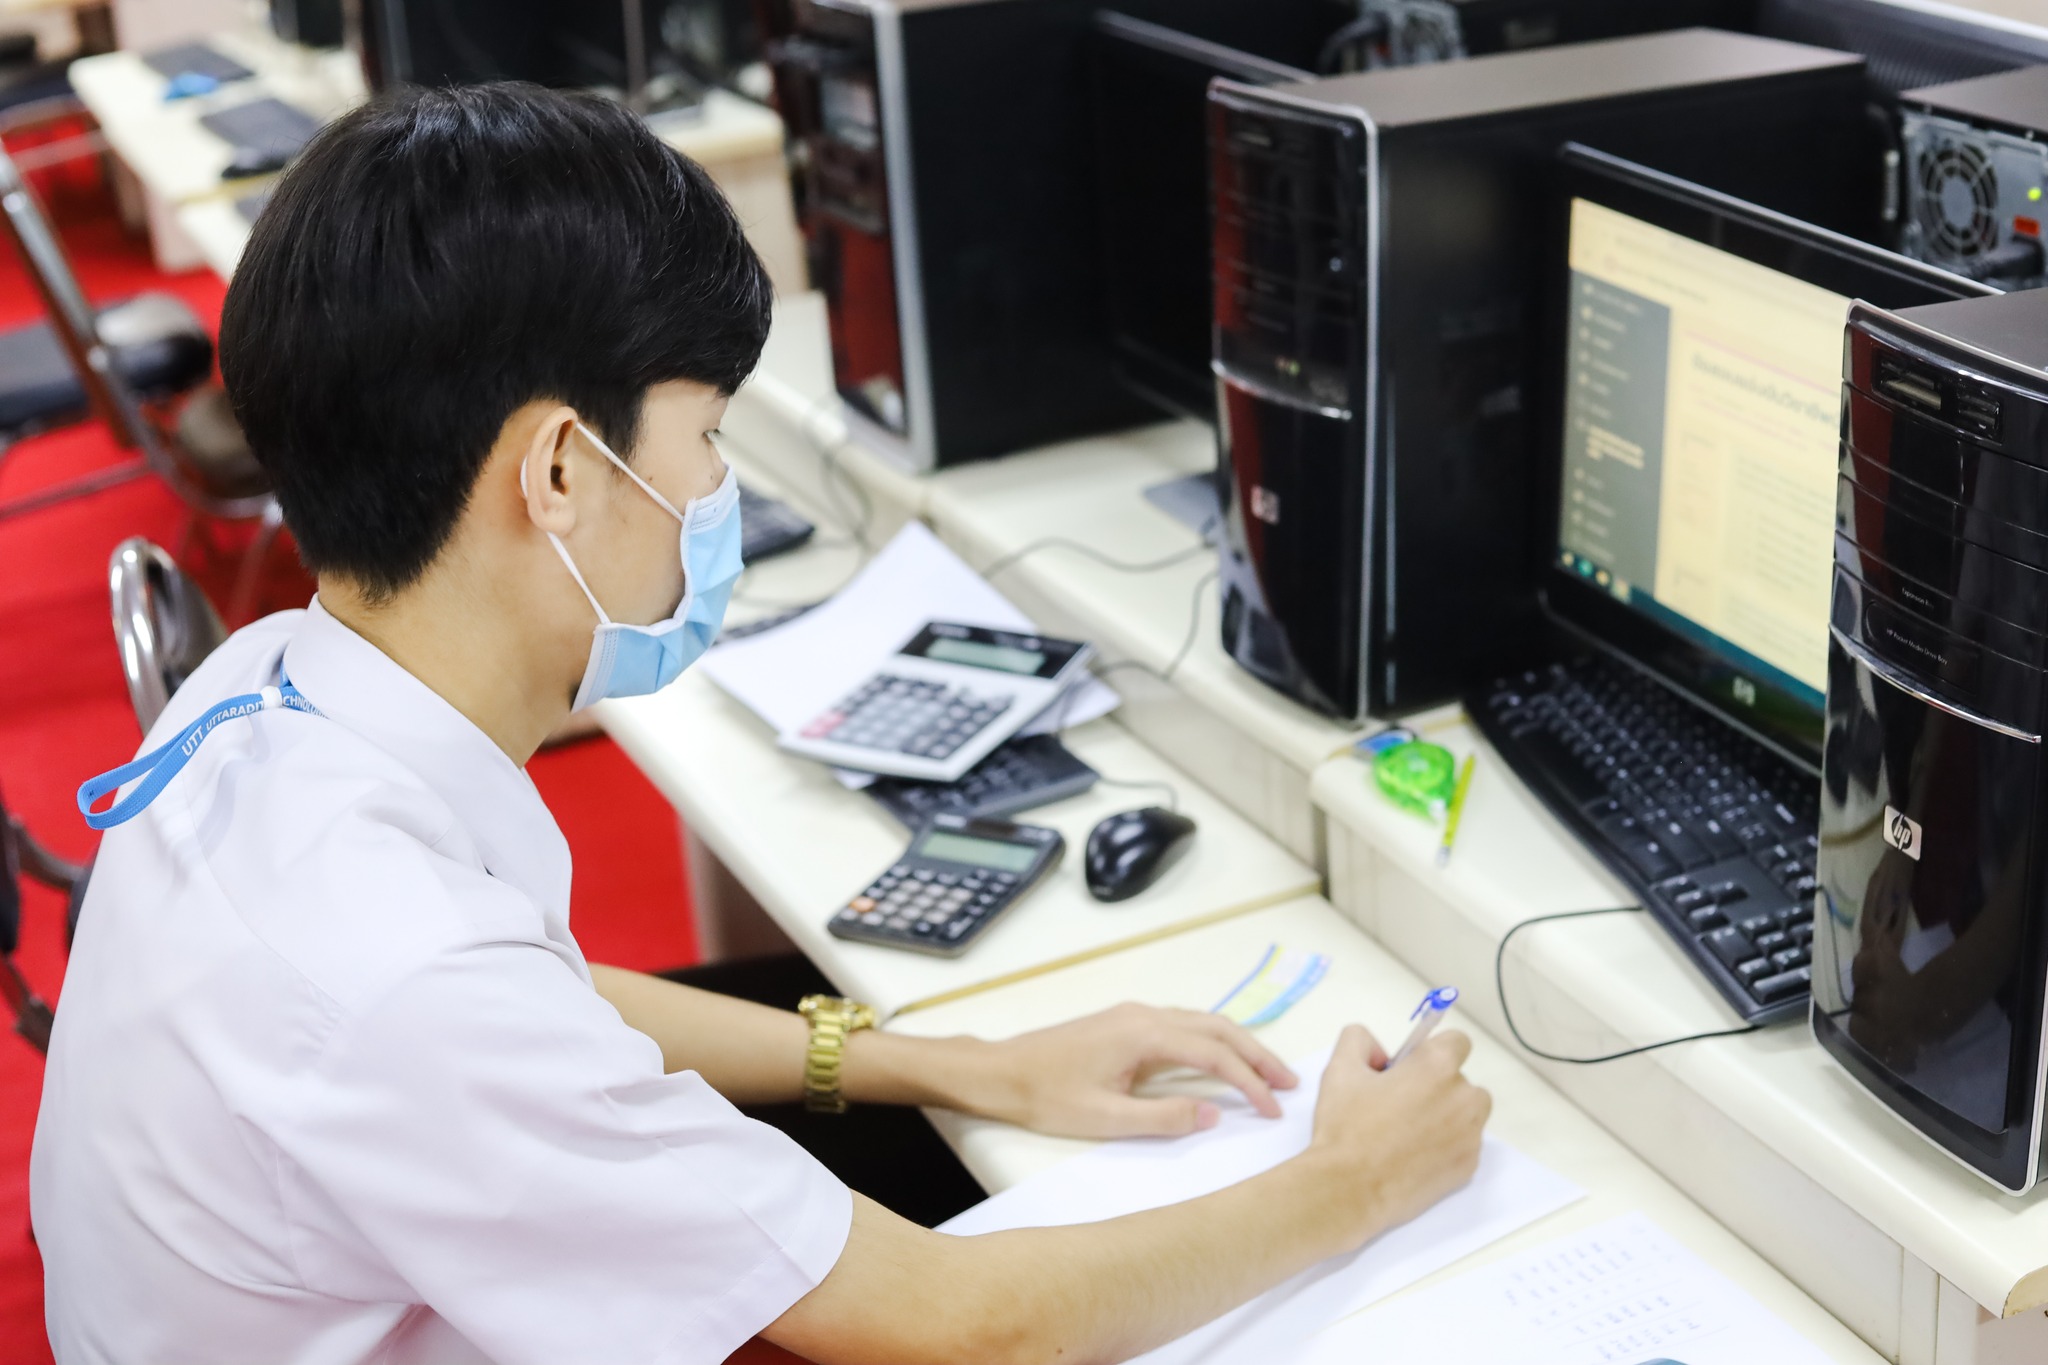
{"points": [[920, 904], [914, 716]]}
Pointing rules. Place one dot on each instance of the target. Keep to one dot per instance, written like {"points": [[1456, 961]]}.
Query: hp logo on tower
{"points": [[1901, 833]]}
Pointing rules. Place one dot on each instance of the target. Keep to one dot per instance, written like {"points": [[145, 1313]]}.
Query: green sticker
{"points": [[1417, 776]]}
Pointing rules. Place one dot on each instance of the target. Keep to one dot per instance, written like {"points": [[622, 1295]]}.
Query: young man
{"points": [[331, 1081]]}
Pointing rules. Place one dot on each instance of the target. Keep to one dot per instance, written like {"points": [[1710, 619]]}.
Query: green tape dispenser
{"points": [[1414, 774]]}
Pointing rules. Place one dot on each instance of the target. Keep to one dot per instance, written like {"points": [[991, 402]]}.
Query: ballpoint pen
{"points": [[1456, 809], [1427, 1016]]}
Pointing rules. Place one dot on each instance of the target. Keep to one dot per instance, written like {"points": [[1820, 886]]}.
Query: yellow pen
{"points": [[1457, 808]]}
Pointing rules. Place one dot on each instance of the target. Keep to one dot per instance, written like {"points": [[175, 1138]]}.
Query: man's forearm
{"points": [[753, 1054], [1094, 1293]]}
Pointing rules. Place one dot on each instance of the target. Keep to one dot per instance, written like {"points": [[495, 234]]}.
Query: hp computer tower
{"points": [[1930, 955], [1380, 254], [1975, 159], [943, 164]]}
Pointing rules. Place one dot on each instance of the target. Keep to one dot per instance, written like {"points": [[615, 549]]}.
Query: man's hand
{"points": [[1391, 1142], [1076, 1079]]}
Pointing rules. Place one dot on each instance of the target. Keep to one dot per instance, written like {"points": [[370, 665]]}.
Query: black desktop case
{"points": [[943, 160], [1930, 954], [1381, 253]]}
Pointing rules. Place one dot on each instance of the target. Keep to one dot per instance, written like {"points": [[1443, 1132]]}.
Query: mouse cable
{"points": [[1089, 551], [1164, 675], [1500, 990]]}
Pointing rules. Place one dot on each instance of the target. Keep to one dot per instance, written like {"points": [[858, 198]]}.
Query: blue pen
{"points": [[1427, 1016]]}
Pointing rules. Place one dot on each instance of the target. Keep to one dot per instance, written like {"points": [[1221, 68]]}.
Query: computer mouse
{"points": [[248, 161], [1132, 849]]}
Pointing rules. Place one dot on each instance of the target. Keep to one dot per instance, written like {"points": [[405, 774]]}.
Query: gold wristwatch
{"points": [[832, 1019]]}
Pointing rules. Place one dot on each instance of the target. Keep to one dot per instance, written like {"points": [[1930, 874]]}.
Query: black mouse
{"points": [[1132, 849], [248, 161]]}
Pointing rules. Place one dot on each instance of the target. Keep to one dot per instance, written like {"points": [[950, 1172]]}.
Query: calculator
{"points": [[1028, 771], [942, 702], [955, 880]]}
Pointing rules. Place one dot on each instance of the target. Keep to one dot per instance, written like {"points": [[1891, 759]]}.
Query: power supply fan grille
{"points": [[1958, 200]]}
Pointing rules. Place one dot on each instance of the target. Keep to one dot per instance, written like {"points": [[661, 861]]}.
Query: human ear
{"points": [[547, 474]]}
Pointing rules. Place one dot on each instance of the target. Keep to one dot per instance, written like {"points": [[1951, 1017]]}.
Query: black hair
{"points": [[437, 258]]}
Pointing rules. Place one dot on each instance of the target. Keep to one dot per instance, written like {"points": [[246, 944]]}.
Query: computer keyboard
{"points": [[195, 59], [768, 526], [264, 127], [1716, 832], [1027, 772]]}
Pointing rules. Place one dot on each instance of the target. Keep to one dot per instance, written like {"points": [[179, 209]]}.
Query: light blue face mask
{"points": [[631, 661]]}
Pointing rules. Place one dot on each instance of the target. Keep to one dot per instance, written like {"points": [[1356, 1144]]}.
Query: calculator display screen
{"points": [[960, 848], [980, 654]]}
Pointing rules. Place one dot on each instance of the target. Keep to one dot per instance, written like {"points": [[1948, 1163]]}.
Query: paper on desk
{"points": [[1509, 1192], [789, 674], [1617, 1294]]}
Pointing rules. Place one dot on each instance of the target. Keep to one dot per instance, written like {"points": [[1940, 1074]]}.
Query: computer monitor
{"points": [[1695, 425]]}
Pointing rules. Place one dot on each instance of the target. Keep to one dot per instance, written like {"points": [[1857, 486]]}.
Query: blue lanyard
{"points": [[159, 766]]}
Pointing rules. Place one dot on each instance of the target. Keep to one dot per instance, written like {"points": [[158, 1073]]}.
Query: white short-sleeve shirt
{"points": [[329, 1082]]}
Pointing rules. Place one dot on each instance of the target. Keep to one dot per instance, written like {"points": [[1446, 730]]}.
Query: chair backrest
{"points": [[163, 624]]}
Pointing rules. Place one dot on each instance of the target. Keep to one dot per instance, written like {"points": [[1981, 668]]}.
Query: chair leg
{"points": [[32, 1015], [97, 482], [45, 866], [249, 578]]}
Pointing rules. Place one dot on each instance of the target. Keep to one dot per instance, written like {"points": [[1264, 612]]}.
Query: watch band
{"points": [[832, 1019]]}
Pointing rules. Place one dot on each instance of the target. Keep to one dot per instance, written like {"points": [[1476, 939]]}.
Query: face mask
{"points": [[631, 661]]}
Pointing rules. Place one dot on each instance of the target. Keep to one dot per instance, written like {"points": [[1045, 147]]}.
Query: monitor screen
{"points": [[1699, 448], [1695, 411]]}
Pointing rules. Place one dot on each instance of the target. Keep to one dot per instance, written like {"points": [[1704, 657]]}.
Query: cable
{"points": [[1120, 565], [1164, 675], [828, 456], [1500, 989], [1339, 44]]}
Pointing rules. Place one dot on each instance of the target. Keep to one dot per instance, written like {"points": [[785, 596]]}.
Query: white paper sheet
{"points": [[789, 674], [1622, 1293], [1509, 1192]]}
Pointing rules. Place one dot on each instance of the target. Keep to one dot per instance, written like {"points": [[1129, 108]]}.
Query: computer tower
{"points": [[1415, 32], [1930, 959], [1975, 158], [1380, 258], [943, 167]]}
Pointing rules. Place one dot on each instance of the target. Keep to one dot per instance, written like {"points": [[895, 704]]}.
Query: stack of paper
{"points": [[1621, 1293], [1509, 1192], [790, 674]]}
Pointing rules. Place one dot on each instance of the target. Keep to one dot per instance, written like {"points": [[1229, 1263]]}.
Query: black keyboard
{"points": [[768, 526], [1032, 771], [265, 127], [196, 59], [1715, 831]]}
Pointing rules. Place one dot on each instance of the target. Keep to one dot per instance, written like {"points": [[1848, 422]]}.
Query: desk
{"points": [[174, 161], [1364, 983], [1764, 1130], [1244, 741]]}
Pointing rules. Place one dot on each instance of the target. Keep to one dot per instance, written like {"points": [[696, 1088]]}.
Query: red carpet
{"points": [[64, 715]]}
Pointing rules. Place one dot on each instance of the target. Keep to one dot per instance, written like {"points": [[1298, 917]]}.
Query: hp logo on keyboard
{"points": [[1901, 833]]}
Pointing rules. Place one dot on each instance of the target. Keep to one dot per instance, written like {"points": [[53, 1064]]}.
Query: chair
{"points": [[20, 854], [125, 365], [163, 625]]}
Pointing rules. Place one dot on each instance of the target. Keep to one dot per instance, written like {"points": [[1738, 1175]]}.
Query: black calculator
{"points": [[1029, 771], [956, 879]]}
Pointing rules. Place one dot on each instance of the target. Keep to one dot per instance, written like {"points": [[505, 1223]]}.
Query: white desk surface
{"points": [[1365, 984], [219, 230], [1591, 986], [163, 144], [802, 844]]}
